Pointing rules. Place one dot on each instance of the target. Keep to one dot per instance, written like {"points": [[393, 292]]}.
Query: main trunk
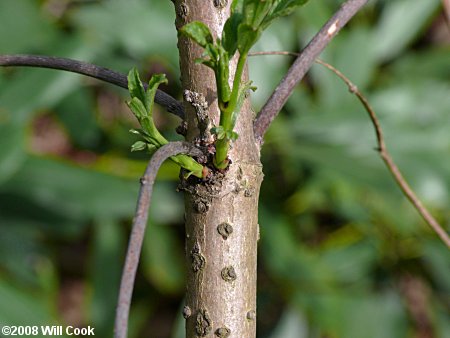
{"points": [[222, 213]]}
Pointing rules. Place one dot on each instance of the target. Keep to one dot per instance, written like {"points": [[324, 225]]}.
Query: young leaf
{"points": [[281, 8], [247, 37], [135, 86], [138, 145], [230, 33], [255, 11], [219, 132], [153, 84], [232, 135], [138, 108], [222, 75], [237, 6], [198, 32], [188, 163]]}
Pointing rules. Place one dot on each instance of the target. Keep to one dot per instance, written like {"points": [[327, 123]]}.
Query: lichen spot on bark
{"points": [[203, 323], [251, 315], [220, 3], [228, 274], [187, 312], [225, 230], [198, 260], [222, 332]]}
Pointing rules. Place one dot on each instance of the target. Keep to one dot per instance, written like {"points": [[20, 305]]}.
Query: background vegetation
{"points": [[342, 253]]}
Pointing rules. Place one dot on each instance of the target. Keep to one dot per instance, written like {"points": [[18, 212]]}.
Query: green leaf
{"points": [[212, 51], [237, 7], [222, 75], [255, 11], [163, 259], [230, 33], [198, 32], [138, 145], [282, 8], [395, 30], [153, 85], [247, 37], [219, 132], [138, 108], [232, 135], [135, 86], [188, 163]]}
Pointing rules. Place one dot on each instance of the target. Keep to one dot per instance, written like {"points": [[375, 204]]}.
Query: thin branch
{"points": [[398, 177], [104, 74], [384, 154], [446, 5], [274, 52], [138, 230], [302, 64]]}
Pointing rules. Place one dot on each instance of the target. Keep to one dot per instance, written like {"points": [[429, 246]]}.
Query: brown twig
{"points": [[446, 6], [398, 177], [302, 64], [138, 230], [104, 74], [384, 154]]}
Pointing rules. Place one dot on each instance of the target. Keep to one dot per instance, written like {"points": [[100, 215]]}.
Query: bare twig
{"points": [[384, 154], [274, 52], [138, 230], [172, 105], [446, 5], [302, 64], [398, 177]]}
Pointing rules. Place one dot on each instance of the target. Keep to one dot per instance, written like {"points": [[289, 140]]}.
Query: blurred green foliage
{"points": [[342, 253]]}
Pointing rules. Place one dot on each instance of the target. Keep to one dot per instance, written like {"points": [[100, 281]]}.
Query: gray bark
{"points": [[222, 213]]}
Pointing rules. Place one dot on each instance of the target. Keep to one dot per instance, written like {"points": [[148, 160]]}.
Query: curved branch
{"points": [[302, 64], [138, 230], [104, 74], [389, 162], [382, 149]]}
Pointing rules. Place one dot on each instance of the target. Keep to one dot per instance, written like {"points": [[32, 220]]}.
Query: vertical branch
{"points": [[138, 230], [221, 214]]}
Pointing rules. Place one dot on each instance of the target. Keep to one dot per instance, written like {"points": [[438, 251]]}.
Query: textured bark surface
{"points": [[222, 214]]}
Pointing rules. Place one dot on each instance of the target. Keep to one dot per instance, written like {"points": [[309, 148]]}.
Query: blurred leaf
{"points": [[288, 259], [350, 263], [19, 249], [179, 330], [24, 19], [18, 304], [42, 88], [435, 255], [355, 315], [163, 259], [78, 193], [11, 149], [108, 246], [76, 112], [399, 25], [431, 63], [291, 325], [139, 36]]}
